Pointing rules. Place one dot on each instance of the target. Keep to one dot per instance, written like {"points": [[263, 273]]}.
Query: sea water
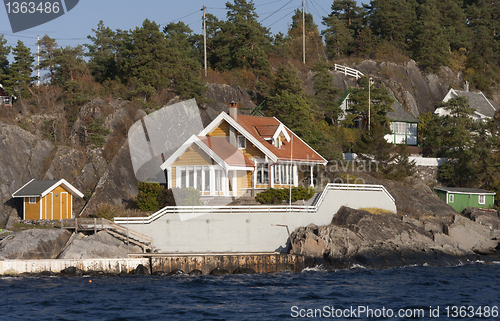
{"points": [[467, 292]]}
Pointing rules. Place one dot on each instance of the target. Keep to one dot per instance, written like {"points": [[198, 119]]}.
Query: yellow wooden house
{"points": [[239, 155], [47, 199]]}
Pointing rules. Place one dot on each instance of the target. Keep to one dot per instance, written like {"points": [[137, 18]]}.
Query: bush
{"points": [[147, 200], [187, 196], [275, 195]]}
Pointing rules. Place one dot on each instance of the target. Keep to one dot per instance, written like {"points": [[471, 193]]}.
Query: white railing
{"points": [[349, 71], [251, 208]]}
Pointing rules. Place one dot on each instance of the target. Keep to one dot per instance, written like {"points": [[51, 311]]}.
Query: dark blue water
{"points": [[281, 296]]}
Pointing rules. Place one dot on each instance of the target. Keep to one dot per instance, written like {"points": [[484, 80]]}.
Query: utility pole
{"points": [[38, 59], [303, 32], [205, 39]]}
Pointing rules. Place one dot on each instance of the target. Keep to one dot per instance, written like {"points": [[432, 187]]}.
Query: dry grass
{"points": [[376, 211]]}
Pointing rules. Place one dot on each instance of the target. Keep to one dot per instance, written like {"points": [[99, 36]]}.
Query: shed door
{"points": [[64, 205]]}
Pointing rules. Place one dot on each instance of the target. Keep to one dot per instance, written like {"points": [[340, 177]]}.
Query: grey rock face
{"points": [[100, 245], [35, 244], [425, 230]]}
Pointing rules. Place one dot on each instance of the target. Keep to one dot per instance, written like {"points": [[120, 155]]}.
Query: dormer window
{"points": [[277, 142]]}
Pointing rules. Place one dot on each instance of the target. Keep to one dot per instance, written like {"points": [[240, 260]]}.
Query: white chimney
{"points": [[233, 112]]}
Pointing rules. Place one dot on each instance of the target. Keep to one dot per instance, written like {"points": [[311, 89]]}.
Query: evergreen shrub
{"points": [[278, 195]]}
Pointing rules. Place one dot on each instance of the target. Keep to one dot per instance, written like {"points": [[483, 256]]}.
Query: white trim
{"points": [[466, 193], [193, 139], [14, 194], [223, 116], [29, 199], [51, 206], [281, 129], [67, 186], [40, 214], [479, 199], [451, 198]]}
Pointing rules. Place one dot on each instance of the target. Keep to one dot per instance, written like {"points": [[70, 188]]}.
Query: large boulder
{"points": [[99, 245], [35, 244]]}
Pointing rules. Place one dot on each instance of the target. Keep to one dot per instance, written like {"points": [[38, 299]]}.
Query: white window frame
{"points": [[451, 198], [242, 142], [481, 199], [32, 200]]}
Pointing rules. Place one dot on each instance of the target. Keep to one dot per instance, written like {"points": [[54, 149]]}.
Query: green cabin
{"points": [[461, 198]]}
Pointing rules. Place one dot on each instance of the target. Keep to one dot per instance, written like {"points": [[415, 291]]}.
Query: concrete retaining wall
{"points": [[261, 232], [12, 267]]}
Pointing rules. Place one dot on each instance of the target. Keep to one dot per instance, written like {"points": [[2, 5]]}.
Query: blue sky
{"points": [[73, 27]]}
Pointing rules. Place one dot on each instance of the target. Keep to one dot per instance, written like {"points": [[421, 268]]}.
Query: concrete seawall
{"points": [[14, 267], [260, 263]]}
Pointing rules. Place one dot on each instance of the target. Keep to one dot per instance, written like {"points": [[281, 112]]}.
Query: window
{"points": [[32, 200], [199, 179], [207, 179], [481, 199], [262, 174], [242, 142], [451, 198], [283, 174]]}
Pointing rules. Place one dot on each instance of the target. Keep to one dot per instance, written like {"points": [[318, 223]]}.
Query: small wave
{"points": [[317, 268], [357, 266]]}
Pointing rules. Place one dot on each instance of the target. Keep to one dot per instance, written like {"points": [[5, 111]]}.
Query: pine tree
{"points": [[429, 44], [184, 61], [144, 53], [242, 41], [326, 95], [343, 25], [102, 52], [71, 65], [314, 44], [4, 62], [20, 70], [393, 20], [289, 102], [48, 49]]}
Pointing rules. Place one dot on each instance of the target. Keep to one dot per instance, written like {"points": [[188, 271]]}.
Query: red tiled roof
{"points": [[227, 152], [301, 151]]}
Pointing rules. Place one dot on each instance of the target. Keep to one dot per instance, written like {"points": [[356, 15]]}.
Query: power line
{"points": [[320, 7], [276, 11], [268, 3], [285, 16], [166, 23]]}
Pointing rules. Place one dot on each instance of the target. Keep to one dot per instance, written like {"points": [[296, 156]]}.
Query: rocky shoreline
{"points": [[424, 231]]}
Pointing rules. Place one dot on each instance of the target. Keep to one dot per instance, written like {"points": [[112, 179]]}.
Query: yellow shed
{"points": [[47, 200]]}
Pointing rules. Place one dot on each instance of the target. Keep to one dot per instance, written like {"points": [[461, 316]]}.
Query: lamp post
{"points": [[369, 102]]}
